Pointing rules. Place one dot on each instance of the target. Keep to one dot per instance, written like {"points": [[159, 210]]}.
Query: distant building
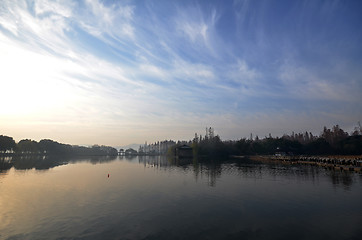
{"points": [[184, 151]]}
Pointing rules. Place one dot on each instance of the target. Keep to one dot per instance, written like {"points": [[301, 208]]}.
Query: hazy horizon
{"points": [[118, 73]]}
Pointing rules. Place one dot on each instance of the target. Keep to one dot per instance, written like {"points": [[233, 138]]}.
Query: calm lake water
{"points": [[153, 198]]}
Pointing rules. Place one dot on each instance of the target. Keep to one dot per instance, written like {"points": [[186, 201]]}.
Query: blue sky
{"points": [[121, 72]]}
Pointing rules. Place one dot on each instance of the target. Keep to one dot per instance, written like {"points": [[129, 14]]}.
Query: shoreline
{"points": [[336, 162]]}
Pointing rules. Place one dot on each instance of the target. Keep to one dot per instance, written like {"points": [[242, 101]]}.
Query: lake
{"points": [[154, 198]]}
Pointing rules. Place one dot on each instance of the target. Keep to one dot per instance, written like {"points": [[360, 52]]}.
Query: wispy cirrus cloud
{"points": [[114, 21], [307, 83], [146, 65]]}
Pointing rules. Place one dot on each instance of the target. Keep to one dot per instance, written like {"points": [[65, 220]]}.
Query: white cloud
{"points": [[114, 20], [198, 27], [199, 73], [244, 81], [153, 71], [62, 8], [41, 31], [245, 72], [303, 83], [194, 30]]}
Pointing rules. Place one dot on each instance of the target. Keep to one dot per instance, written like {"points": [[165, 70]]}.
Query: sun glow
{"points": [[32, 83]]}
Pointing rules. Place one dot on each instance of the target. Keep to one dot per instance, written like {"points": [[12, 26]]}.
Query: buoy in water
{"points": [[108, 174]]}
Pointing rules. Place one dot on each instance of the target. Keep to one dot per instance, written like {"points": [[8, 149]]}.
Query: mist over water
{"points": [[156, 198]]}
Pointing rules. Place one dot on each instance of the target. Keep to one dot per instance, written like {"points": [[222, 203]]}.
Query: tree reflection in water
{"points": [[202, 169], [246, 168], [47, 162]]}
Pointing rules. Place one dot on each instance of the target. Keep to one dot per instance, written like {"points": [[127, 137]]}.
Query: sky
{"points": [[123, 72]]}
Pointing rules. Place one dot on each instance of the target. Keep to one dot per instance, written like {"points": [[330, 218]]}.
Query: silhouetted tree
{"points": [[28, 146], [319, 147], [7, 143], [350, 145], [243, 146], [51, 147], [130, 151]]}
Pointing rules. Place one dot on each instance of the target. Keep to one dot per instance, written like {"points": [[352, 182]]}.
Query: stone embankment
{"points": [[347, 163]]}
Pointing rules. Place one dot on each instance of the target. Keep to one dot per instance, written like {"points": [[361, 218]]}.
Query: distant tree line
{"points": [[330, 141], [157, 148], [50, 147]]}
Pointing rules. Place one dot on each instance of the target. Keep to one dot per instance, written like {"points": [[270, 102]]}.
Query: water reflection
{"points": [[341, 178], [47, 162], [160, 198], [201, 169], [5, 164], [247, 168], [94, 159]]}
